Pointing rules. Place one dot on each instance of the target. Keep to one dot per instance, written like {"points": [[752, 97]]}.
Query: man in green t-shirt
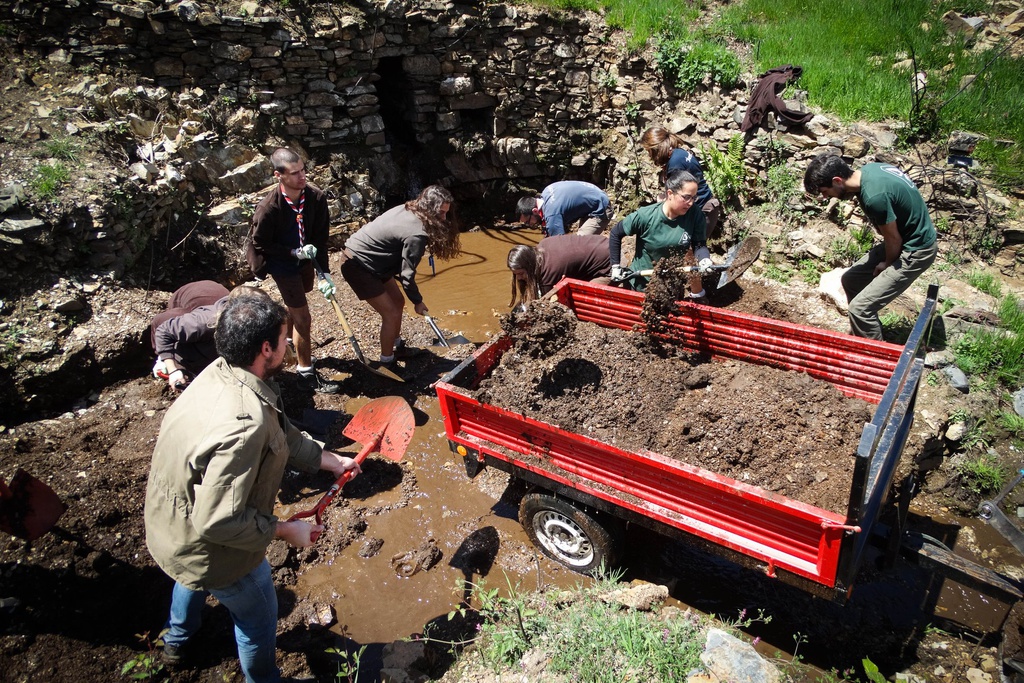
{"points": [[894, 205]]}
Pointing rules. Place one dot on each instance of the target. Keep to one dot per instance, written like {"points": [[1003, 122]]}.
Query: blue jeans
{"points": [[252, 603]]}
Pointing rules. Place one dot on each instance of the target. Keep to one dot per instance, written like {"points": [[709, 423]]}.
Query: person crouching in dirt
{"points": [[182, 335], [535, 270], [387, 251], [216, 471], [894, 205], [663, 229]]}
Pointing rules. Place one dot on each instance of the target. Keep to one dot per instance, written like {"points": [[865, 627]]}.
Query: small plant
{"points": [[725, 171], [1011, 422], [688, 63], [985, 282], [783, 184], [982, 474], [64, 149], [809, 271], [145, 665], [995, 353], [347, 663], [632, 111], [872, 672], [896, 326], [48, 178], [778, 273]]}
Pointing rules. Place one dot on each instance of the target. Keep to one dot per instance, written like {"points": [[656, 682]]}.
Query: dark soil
{"points": [[782, 431]]}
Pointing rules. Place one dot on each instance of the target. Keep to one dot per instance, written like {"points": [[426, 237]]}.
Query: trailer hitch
{"points": [[990, 512]]}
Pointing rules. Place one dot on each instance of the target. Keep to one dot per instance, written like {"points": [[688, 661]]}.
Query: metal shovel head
{"points": [[441, 341], [28, 507], [387, 422], [739, 258]]}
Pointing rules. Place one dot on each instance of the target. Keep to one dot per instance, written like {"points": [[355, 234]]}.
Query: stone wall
{"points": [[492, 91]]}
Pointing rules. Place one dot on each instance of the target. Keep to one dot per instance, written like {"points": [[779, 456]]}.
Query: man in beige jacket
{"points": [[216, 471]]}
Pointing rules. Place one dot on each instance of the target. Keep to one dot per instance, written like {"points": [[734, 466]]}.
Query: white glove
{"points": [[159, 369], [618, 273], [705, 266], [305, 253], [326, 286]]}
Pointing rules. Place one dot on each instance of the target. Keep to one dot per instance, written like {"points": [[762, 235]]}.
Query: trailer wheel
{"points": [[566, 534]]}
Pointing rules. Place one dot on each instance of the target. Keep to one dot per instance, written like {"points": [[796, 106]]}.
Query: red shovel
{"points": [[384, 425], [28, 507]]}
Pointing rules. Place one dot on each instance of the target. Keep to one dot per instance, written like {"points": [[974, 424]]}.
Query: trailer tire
{"points": [[567, 534]]}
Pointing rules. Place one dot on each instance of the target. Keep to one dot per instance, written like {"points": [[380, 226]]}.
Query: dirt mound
{"points": [[782, 431]]}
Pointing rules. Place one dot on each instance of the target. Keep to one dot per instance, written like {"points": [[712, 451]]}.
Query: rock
{"points": [[831, 289], [1018, 402], [643, 596], [405, 661], [69, 305], [957, 378], [956, 432], [978, 676], [731, 659], [11, 196], [938, 359]]}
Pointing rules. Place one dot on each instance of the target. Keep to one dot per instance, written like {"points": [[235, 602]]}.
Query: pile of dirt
{"points": [[782, 431]]}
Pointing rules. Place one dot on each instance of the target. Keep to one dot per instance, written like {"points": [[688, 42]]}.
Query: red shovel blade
{"points": [[28, 507], [385, 425]]}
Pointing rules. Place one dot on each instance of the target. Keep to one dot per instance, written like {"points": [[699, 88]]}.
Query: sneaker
{"points": [[171, 655], [403, 350], [311, 379], [698, 295]]}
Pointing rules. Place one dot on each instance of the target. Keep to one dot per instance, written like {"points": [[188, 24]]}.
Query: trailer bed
{"points": [[779, 533]]}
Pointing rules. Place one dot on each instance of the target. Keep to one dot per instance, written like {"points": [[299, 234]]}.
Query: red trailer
{"points": [[584, 490]]}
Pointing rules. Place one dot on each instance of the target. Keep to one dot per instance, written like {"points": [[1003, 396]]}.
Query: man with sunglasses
{"points": [[893, 204], [663, 229]]}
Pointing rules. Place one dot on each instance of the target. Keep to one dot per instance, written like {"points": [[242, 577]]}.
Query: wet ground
{"points": [[403, 539]]}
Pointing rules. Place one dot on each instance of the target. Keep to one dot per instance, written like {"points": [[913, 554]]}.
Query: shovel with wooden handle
{"points": [[381, 371], [384, 425], [28, 507], [447, 343]]}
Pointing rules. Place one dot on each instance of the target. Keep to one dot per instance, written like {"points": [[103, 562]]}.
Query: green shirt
{"points": [[888, 194], [657, 236]]}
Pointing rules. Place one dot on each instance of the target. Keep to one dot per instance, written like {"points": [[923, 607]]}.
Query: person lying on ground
{"points": [[386, 252], [664, 229], [564, 203], [535, 270], [215, 474]]}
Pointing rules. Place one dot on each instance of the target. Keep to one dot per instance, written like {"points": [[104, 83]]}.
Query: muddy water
{"points": [[376, 604], [474, 529]]}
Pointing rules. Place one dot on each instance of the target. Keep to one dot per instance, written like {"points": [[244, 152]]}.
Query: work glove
{"points": [[305, 253], [326, 286], [177, 380], [620, 274], [159, 369], [705, 265]]}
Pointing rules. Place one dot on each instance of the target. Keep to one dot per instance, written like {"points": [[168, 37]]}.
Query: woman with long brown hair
{"points": [[386, 252], [535, 270], [669, 152]]}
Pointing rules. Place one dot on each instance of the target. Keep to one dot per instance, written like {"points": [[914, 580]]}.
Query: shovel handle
{"points": [[341, 317], [343, 479], [433, 326]]}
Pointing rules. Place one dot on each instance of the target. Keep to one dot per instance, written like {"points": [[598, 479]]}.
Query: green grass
{"points": [[1011, 422], [997, 355], [586, 637], [985, 282], [48, 178], [982, 474], [63, 149]]}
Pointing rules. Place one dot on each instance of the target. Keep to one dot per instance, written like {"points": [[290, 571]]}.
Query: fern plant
{"points": [[725, 171]]}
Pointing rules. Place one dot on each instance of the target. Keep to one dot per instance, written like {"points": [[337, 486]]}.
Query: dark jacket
{"points": [[275, 232]]}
